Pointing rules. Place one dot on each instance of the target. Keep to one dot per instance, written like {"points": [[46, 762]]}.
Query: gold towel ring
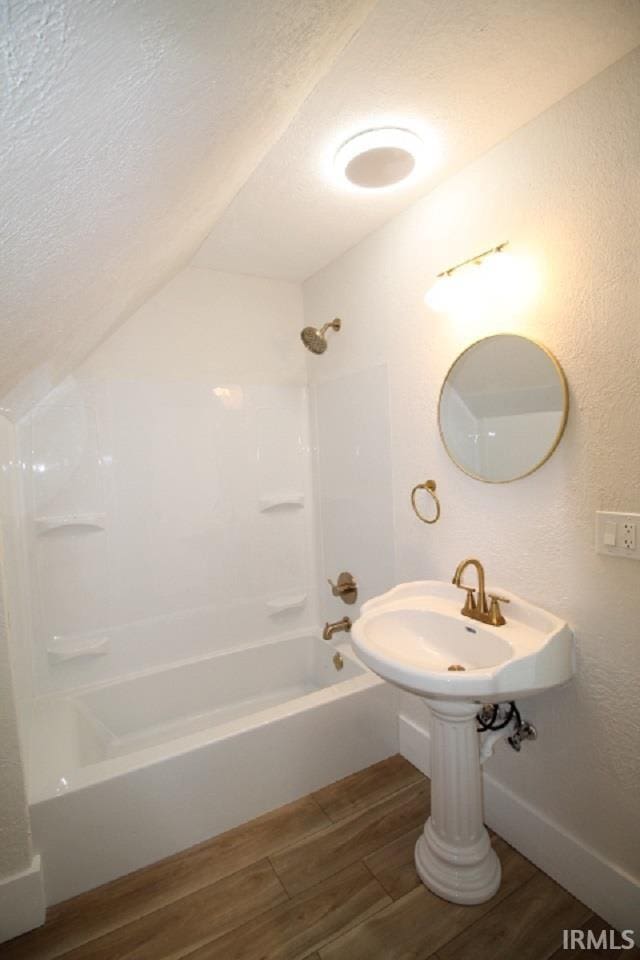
{"points": [[430, 487]]}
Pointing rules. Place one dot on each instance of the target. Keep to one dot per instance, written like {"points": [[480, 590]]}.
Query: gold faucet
{"points": [[337, 627], [479, 609]]}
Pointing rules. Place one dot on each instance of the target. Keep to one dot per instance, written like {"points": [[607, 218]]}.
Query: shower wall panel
{"points": [[353, 482], [167, 486]]}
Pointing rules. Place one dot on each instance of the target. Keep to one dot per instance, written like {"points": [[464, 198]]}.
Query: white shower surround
{"points": [[170, 556], [151, 485]]}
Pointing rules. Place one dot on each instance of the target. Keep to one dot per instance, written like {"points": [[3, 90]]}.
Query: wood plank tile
{"points": [[330, 850], [186, 924], [366, 787], [290, 931], [222, 899], [528, 925], [394, 865], [104, 909], [597, 925], [418, 924]]}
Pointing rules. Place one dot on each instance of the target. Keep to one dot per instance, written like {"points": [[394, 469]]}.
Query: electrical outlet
{"points": [[629, 534], [617, 534]]}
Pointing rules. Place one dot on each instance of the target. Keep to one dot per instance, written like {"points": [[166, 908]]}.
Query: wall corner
{"points": [[22, 901]]}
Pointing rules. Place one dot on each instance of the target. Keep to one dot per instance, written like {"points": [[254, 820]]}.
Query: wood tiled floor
{"points": [[329, 877]]}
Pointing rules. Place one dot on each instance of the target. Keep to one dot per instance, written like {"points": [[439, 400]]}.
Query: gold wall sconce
{"points": [[447, 288], [430, 487], [479, 257]]}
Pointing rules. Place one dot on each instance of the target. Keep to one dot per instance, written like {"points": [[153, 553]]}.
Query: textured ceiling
{"points": [[471, 70], [128, 126]]}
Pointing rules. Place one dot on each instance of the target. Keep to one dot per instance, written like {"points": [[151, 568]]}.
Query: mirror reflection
{"points": [[503, 408]]}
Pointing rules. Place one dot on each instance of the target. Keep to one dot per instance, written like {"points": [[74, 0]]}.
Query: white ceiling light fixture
{"points": [[381, 159]]}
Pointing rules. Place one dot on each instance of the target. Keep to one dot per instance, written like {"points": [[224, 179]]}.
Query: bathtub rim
{"points": [[81, 778]]}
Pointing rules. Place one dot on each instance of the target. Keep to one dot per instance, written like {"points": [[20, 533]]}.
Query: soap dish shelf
{"points": [[88, 521], [282, 604], [62, 649], [280, 500]]}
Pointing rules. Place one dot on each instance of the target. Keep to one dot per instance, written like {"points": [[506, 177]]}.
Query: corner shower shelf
{"points": [[61, 649], [281, 500], [281, 604], [90, 521]]}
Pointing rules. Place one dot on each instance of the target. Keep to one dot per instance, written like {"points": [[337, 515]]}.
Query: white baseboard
{"points": [[605, 888], [22, 903]]}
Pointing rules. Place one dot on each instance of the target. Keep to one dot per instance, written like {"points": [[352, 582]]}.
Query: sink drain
{"points": [[456, 666]]}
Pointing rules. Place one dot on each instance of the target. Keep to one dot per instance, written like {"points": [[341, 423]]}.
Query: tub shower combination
{"points": [[180, 683], [127, 772]]}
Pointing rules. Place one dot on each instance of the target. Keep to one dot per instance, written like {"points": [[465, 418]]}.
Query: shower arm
{"points": [[333, 324]]}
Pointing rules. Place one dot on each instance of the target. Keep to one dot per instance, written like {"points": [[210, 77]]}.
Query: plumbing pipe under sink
{"points": [[490, 738]]}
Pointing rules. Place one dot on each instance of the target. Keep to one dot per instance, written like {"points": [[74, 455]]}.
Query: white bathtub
{"points": [[124, 773]]}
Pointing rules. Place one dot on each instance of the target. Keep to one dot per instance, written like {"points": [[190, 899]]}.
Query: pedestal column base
{"points": [[464, 876], [454, 856]]}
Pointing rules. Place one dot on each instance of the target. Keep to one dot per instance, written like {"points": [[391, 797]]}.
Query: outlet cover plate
{"points": [[625, 526]]}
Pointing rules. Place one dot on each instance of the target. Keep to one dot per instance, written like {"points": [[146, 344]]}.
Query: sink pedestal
{"points": [[416, 637], [454, 856]]}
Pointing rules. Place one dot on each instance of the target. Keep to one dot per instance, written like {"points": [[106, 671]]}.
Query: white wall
{"points": [[15, 576], [565, 191], [165, 440], [15, 832]]}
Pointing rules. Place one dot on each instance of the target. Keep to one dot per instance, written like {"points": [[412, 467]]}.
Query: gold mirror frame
{"points": [[563, 422]]}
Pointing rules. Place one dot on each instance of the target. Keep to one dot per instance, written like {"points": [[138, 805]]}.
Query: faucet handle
{"points": [[346, 588], [496, 618], [470, 601]]}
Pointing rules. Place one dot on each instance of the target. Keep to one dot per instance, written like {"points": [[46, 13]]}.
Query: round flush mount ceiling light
{"points": [[380, 159]]}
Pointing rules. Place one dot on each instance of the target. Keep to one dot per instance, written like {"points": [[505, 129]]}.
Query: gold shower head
{"points": [[315, 340]]}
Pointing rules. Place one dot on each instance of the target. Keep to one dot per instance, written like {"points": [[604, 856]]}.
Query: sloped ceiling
{"points": [[473, 71], [128, 126], [134, 130]]}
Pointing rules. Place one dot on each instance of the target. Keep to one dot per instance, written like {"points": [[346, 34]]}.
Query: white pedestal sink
{"points": [[412, 636]]}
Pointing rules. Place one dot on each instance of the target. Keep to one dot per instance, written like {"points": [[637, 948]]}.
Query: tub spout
{"points": [[337, 627]]}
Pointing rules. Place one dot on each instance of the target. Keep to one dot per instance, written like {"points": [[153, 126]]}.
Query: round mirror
{"points": [[503, 408]]}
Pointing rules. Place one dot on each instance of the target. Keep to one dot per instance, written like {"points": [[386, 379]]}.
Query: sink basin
{"points": [[416, 637], [415, 633]]}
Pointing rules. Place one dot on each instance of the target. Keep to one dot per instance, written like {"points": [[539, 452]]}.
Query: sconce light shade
{"points": [[441, 295]]}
